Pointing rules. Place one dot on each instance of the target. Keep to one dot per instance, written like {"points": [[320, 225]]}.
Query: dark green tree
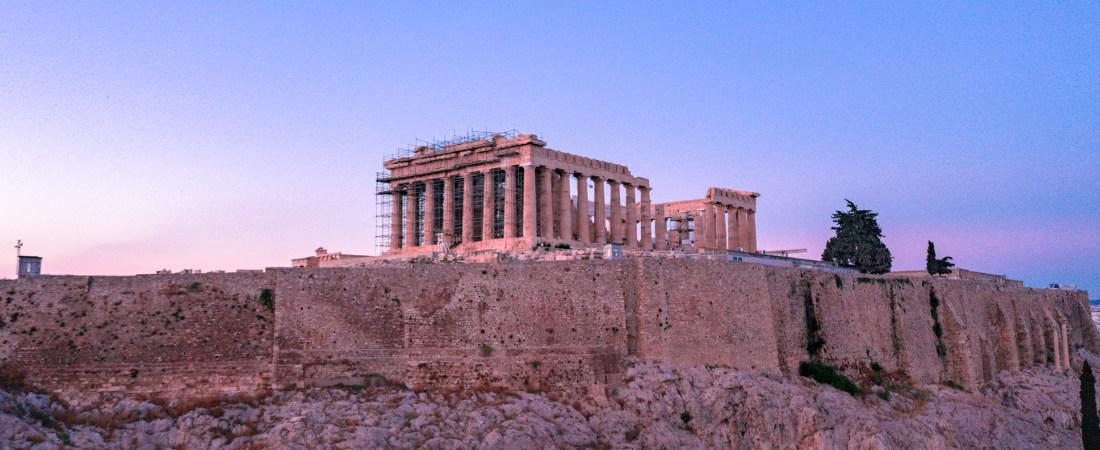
{"points": [[935, 266], [1090, 424], [858, 241]]}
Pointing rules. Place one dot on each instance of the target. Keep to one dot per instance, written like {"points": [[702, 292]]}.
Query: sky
{"points": [[137, 136]]}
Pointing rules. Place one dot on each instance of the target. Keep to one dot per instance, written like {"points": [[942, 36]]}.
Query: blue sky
{"points": [[139, 136]]}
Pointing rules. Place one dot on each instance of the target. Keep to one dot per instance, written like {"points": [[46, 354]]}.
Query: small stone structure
{"points": [[959, 274], [321, 258], [29, 266]]}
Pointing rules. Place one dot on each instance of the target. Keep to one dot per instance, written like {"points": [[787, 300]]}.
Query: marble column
{"points": [[699, 229], [616, 213], [601, 213], [398, 194], [582, 209], [468, 208], [752, 230], [743, 229], [731, 229], [411, 229], [488, 215], [709, 236], [530, 209], [449, 210], [546, 204], [659, 228], [719, 227], [509, 201], [429, 213], [647, 234], [631, 227], [565, 210]]}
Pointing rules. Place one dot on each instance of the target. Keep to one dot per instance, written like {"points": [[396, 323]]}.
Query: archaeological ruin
{"points": [[508, 192], [680, 283]]}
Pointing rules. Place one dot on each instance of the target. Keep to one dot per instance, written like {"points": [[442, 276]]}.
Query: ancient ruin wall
{"points": [[158, 334], [547, 326]]}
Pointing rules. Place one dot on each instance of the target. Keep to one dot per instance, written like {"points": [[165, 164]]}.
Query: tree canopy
{"points": [[858, 241], [941, 266]]}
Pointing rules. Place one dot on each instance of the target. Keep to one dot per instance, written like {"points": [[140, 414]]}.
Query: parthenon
{"points": [[508, 192]]}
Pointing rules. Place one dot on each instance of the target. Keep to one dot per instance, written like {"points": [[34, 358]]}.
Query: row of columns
{"points": [[726, 227], [546, 201]]}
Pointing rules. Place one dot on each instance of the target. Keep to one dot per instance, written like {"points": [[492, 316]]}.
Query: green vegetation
{"points": [[195, 287], [486, 350], [267, 299], [1090, 424], [814, 340], [826, 374], [941, 266], [839, 281], [858, 241], [937, 329], [535, 364], [685, 416]]}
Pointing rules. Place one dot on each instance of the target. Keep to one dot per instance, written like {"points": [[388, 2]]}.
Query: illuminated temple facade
{"points": [[509, 192]]}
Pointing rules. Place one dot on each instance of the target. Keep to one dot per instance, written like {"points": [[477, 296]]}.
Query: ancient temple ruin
{"points": [[509, 192]]}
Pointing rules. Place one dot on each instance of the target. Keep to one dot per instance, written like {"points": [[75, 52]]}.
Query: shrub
{"points": [[685, 416], [267, 298], [937, 329], [839, 281], [486, 350], [826, 374], [814, 340], [195, 287]]}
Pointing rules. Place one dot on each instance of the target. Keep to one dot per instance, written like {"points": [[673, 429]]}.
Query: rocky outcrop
{"points": [[656, 406]]}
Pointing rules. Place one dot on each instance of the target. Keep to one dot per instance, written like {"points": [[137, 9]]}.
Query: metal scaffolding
{"points": [[383, 211], [415, 198]]}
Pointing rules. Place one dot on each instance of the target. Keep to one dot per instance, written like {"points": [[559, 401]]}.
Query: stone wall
{"points": [[200, 334], [547, 326], [537, 326]]}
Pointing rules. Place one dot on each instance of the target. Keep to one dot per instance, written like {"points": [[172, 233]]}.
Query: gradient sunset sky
{"points": [[223, 135]]}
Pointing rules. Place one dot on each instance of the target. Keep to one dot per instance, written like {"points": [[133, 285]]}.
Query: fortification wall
{"points": [[201, 334], [549, 326], [546, 326]]}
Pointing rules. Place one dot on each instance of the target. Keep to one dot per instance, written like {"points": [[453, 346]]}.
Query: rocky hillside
{"points": [[655, 407]]}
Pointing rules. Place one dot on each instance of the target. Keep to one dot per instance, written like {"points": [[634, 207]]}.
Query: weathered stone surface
{"points": [[657, 406], [529, 326]]}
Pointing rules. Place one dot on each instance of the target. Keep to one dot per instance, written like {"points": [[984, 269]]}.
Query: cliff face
{"points": [[656, 406], [548, 326]]}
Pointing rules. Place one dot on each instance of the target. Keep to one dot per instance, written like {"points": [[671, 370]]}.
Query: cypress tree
{"points": [[941, 266], [930, 260], [1090, 424]]}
